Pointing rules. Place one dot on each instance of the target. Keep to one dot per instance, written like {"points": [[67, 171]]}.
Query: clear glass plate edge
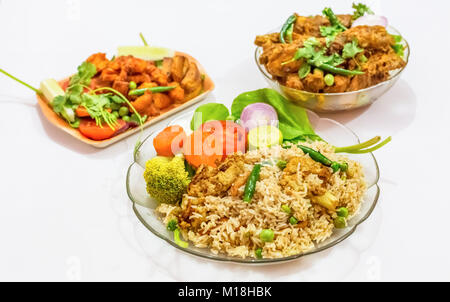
{"points": [[251, 261]]}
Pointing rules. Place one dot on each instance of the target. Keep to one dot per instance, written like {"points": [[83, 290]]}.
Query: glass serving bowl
{"points": [[331, 131], [333, 102]]}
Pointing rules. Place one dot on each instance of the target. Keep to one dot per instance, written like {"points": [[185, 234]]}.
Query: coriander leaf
{"points": [[360, 10], [330, 33], [398, 47], [397, 38], [304, 70], [351, 50], [58, 103]]}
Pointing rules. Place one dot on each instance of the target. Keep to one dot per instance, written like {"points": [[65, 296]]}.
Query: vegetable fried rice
{"points": [[213, 215]]}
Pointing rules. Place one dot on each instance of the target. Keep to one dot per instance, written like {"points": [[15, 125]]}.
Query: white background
{"points": [[64, 213]]}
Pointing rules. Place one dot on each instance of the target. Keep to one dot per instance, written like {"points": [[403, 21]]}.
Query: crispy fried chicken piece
{"points": [[140, 78], [210, 181], [293, 81], [340, 84], [192, 82], [121, 86], [370, 37], [134, 65], [159, 76], [267, 40], [161, 100], [376, 70], [314, 82], [179, 67], [144, 104], [109, 75], [275, 55], [147, 85], [99, 60], [176, 94]]}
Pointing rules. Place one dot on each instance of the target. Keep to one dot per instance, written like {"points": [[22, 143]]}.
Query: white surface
{"points": [[64, 213]]}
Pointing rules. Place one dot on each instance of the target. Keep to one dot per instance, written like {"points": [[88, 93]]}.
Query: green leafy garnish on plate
{"points": [[209, 112]]}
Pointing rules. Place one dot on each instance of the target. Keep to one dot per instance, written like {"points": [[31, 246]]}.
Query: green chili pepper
{"points": [[341, 71], [287, 29], [250, 186], [319, 157], [328, 12], [152, 89]]}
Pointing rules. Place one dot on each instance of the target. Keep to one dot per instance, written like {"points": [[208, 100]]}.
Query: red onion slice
{"points": [[258, 114], [371, 20]]}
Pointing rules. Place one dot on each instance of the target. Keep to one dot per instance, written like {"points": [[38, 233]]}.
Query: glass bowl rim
{"points": [[252, 261], [264, 72]]}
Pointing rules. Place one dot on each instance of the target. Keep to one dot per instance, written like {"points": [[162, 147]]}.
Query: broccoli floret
{"points": [[166, 178]]}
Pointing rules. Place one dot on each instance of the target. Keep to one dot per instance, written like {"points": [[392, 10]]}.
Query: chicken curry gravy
{"points": [[369, 49]]}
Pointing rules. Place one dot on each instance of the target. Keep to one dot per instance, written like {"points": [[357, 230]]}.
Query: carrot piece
{"points": [[169, 141], [91, 130]]}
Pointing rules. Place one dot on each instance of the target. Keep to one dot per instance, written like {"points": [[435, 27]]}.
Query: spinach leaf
{"points": [[209, 112], [293, 120]]}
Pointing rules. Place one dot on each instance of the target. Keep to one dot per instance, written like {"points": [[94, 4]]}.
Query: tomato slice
{"points": [[203, 148], [89, 128], [213, 142], [233, 135]]}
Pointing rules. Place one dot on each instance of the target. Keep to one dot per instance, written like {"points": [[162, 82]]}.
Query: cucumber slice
{"points": [[51, 89], [145, 52], [264, 137]]}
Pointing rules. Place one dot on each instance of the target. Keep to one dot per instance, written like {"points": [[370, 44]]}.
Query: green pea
{"points": [[293, 220], [285, 208], [126, 118], [258, 253], [340, 222], [132, 85], [123, 111], [266, 235], [342, 212], [115, 113], [329, 79]]}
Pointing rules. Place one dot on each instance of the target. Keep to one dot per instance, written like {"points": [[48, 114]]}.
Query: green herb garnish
{"points": [[361, 10], [351, 50]]}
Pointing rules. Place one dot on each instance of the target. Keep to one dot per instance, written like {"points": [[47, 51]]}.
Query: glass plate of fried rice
{"points": [[228, 229]]}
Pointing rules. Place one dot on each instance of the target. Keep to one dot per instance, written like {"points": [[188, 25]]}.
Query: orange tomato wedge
{"points": [[91, 130]]}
